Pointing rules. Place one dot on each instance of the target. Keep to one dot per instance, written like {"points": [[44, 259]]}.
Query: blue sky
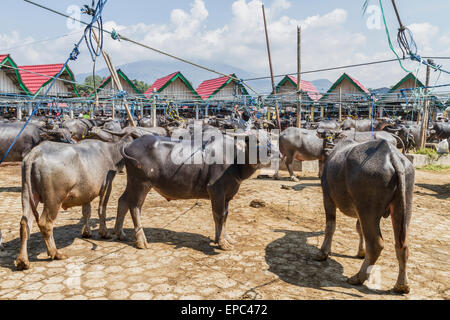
{"points": [[335, 33]]}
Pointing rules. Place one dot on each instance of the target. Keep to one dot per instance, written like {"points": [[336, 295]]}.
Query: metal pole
{"points": [[299, 69], [271, 68]]}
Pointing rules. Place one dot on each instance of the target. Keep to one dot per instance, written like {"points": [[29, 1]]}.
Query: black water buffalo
{"points": [[60, 175], [302, 145], [440, 131], [368, 181], [150, 164], [32, 136]]}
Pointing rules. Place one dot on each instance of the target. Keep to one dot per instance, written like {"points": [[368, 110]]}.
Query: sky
{"points": [[334, 33]]}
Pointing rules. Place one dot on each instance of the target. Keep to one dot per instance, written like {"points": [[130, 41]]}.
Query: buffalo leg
{"points": [[401, 250], [133, 201], [276, 176], [370, 224], [320, 168], [361, 251], [26, 223], [86, 230], [330, 213], [45, 224], [289, 165], [104, 197], [220, 211]]}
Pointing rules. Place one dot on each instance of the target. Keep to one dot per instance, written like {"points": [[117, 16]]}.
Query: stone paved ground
{"points": [[271, 259]]}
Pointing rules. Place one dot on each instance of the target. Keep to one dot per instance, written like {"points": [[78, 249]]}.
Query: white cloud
{"points": [[326, 41]]}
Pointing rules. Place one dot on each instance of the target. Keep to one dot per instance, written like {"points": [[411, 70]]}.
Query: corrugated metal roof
{"points": [[158, 84], [359, 84], [3, 57], [208, 87], [33, 81], [308, 87]]}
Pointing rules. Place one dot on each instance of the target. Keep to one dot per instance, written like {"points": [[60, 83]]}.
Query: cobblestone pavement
{"points": [[271, 259]]}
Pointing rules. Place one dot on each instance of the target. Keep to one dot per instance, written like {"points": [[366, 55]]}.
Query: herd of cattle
{"points": [[70, 162]]}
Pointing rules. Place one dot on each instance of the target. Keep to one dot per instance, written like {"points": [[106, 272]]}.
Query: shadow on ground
{"points": [[440, 191], [291, 259], [11, 189]]}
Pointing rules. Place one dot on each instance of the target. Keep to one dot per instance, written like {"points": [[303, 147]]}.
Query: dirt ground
{"points": [[271, 259]]}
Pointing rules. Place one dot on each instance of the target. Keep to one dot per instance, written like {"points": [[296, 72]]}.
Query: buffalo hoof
{"points": [[401, 288], [121, 236], [225, 245], [22, 264], [321, 256], [60, 256], [355, 280], [295, 179], [141, 244], [276, 177], [86, 234], [104, 234]]}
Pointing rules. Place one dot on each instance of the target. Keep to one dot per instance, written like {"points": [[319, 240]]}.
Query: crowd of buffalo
{"points": [[70, 162]]}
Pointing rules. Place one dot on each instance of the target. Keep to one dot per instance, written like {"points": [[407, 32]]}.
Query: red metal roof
{"points": [[208, 87], [359, 84], [33, 81], [158, 84], [309, 88], [3, 57]]}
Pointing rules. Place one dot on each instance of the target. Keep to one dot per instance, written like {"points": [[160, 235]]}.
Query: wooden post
{"points": [[299, 69], [340, 104], [154, 122], [271, 69], [313, 110], [424, 127], [115, 79]]}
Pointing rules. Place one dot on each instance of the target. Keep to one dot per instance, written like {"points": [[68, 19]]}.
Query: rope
{"points": [[72, 57]]}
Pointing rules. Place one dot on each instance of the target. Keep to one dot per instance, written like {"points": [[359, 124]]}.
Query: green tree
{"points": [[88, 86], [141, 85]]}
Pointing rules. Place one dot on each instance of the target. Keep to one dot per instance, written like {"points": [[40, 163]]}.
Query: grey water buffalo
{"points": [[302, 145], [79, 128], [367, 136], [365, 125], [369, 181], [114, 136], [32, 136], [195, 175], [60, 175], [328, 125]]}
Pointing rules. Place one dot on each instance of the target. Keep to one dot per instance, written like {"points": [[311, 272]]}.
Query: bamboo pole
{"points": [[271, 69], [424, 127], [299, 69]]}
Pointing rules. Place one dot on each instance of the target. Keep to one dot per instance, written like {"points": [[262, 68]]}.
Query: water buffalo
{"points": [[149, 162], [365, 125], [328, 125], [32, 136], [367, 136], [60, 175], [300, 144], [114, 136], [368, 181], [79, 128], [440, 131]]}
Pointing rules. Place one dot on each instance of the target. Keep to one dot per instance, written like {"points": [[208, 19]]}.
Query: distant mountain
{"points": [[323, 85], [149, 71], [380, 91]]}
